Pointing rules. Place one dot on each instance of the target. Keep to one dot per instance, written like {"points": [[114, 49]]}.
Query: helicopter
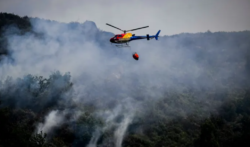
{"points": [[124, 38]]}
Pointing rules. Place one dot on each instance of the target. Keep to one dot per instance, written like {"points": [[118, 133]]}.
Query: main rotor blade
{"points": [[113, 26], [138, 28]]}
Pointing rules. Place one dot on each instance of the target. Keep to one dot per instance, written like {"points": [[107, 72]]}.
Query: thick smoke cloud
{"points": [[52, 120], [105, 77]]}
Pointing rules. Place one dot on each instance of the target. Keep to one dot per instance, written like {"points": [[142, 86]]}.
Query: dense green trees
{"points": [[9, 20], [17, 129]]}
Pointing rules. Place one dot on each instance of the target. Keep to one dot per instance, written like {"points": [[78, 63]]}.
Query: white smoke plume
{"points": [[124, 112], [53, 119], [121, 130], [94, 139]]}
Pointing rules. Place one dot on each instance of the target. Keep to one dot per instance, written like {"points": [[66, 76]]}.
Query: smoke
{"points": [[118, 118], [120, 132], [53, 119], [107, 78], [94, 139]]}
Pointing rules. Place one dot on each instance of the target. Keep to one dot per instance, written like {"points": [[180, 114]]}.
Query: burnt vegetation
{"points": [[181, 118]]}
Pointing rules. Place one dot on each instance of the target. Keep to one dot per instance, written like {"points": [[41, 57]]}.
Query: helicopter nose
{"points": [[112, 40]]}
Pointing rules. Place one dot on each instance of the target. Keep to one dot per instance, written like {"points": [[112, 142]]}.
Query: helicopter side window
{"points": [[120, 35]]}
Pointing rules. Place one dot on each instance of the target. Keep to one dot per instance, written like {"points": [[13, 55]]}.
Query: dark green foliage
{"points": [[209, 135], [7, 21], [135, 140], [28, 100], [228, 127], [36, 93], [17, 132], [85, 127]]}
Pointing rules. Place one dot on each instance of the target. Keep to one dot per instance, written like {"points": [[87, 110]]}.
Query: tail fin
{"points": [[157, 35]]}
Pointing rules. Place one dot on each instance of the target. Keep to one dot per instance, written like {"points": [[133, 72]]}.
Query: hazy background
{"points": [[171, 16], [120, 89]]}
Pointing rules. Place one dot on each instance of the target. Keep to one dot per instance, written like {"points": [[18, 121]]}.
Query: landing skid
{"points": [[120, 46]]}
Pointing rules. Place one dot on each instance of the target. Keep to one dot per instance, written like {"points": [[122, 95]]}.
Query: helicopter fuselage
{"points": [[127, 37]]}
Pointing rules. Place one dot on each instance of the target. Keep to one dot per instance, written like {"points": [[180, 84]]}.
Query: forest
{"points": [[194, 93]]}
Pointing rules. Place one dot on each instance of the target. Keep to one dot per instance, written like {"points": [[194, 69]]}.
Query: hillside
{"points": [[66, 85]]}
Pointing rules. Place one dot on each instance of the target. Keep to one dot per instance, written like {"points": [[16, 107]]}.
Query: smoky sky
{"points": [[171, 16], [101, 70]]}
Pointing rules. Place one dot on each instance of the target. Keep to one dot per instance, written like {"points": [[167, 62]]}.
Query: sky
{"points": [[170, 16]]}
